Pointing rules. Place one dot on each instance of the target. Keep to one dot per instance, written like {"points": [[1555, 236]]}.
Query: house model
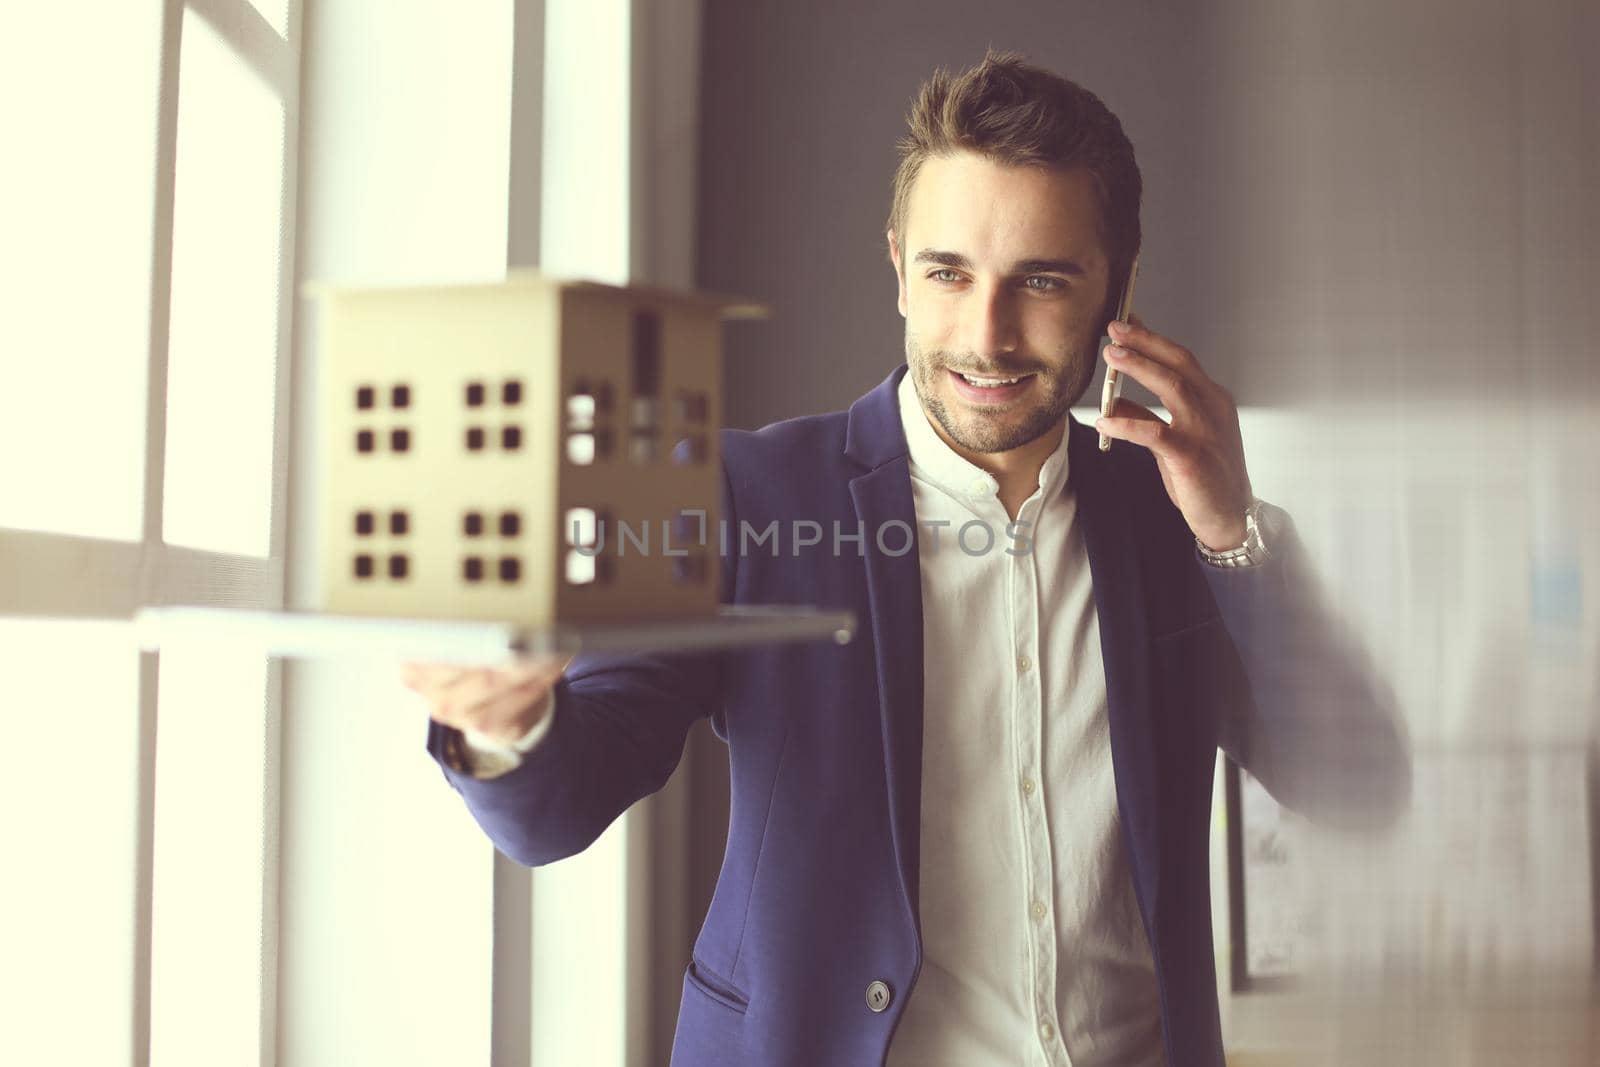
{"points": [[495, 451]]}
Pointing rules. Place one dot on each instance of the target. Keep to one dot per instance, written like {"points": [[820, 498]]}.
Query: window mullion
{"points": [[254, 39], [65, 576], [155, 450], [283, 421]]}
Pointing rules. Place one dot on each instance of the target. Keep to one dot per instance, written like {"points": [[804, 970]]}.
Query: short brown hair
{"points": [[1017, 114]]}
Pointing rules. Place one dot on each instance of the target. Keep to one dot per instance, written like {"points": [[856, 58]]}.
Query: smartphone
{"points": [[1113, 386]]}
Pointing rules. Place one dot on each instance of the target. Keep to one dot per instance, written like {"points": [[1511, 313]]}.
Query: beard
{"points": [[1051, 393]]}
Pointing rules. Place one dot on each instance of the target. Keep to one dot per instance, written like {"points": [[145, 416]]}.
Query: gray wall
{"points": [[1363, 203], [1340, 199], [801, 105]]}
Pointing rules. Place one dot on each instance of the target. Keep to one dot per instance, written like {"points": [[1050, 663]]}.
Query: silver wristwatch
{"points": [[1249, 554]]}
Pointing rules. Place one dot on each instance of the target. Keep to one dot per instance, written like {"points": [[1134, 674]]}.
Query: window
{"points": [[67, 932], [75, 347], [143, 408], [223, 328], [146, 381]]}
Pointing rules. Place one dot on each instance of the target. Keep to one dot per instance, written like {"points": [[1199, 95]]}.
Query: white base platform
{"points": [[309, 635]]}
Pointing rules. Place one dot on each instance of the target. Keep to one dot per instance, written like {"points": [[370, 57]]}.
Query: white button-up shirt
{"points": [[1033, 949]]}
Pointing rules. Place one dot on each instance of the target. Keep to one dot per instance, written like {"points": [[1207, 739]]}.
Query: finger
{"points": [[1137, 425], [1125, 408], [421, 676], [450, 683], [474, 686], [413, 671], [487, 683], [1167, 384], [438, 681], [1136, 335], [425, 671], [444, 673], [546, 672], [500, 713], [544, 661]]}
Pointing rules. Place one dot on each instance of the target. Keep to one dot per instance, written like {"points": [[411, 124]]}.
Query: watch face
{"points": [[1264, 526]]}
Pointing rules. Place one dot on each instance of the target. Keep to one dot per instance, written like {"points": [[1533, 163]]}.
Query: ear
{"points": [[899, 271]]}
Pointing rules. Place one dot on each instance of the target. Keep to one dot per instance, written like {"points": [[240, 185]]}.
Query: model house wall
{"points": [[532, 451]]}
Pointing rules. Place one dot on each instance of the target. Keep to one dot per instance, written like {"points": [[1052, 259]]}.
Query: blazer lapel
{"points": [[876, 439], [1109, 537]]}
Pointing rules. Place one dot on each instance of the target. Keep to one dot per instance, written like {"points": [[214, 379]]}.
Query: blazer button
{"points": [[878, 996]]}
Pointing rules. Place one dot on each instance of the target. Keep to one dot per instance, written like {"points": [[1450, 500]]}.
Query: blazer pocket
{"points": [[717, 987], [1190, 628]]}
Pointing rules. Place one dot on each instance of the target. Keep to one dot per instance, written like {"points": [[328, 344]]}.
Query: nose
{"points": [[991, 326]]}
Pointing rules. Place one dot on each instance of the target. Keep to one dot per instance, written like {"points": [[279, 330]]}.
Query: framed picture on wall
{"points": [[1270, 912]]}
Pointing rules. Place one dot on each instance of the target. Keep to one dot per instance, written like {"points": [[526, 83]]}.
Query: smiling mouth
{"points": [[984, 389], [974, 379]]}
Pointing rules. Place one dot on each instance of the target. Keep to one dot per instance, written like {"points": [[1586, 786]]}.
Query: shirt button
{"points": [[979, 486], [1024, 663], [1027, 786], [1047, 1031], [1037, 910]]}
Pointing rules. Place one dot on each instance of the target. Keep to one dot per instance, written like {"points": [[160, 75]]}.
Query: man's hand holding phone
{"points": [[1200, 453]]}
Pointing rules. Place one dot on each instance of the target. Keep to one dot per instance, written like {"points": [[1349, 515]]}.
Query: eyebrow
{"points": [[1024, 266]]}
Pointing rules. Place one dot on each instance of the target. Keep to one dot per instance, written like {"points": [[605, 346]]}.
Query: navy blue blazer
{"points": [[818, 894]]}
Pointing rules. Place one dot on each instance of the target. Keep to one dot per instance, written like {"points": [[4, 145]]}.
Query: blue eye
{"points": [[945, 275], [1049, 283]]}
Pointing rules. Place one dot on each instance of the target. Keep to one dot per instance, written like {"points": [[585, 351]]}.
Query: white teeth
{"points": [[990, 383]]}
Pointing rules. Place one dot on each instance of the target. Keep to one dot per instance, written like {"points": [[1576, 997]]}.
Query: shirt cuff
{"points": [[487, 758]]}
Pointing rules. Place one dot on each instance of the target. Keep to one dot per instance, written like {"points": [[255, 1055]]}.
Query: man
{"points": [[978, 834]]}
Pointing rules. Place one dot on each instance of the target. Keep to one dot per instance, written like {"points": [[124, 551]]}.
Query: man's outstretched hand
{"points": [[501, 703]]}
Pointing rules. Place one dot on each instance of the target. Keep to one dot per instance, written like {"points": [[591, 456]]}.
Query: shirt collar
{"points": [[935, 461]]}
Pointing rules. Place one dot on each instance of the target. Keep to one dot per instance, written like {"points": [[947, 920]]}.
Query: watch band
{"points": [[1251, 553]]}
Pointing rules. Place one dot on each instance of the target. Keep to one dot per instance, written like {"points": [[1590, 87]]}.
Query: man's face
{"points": [[1004, 274]]}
